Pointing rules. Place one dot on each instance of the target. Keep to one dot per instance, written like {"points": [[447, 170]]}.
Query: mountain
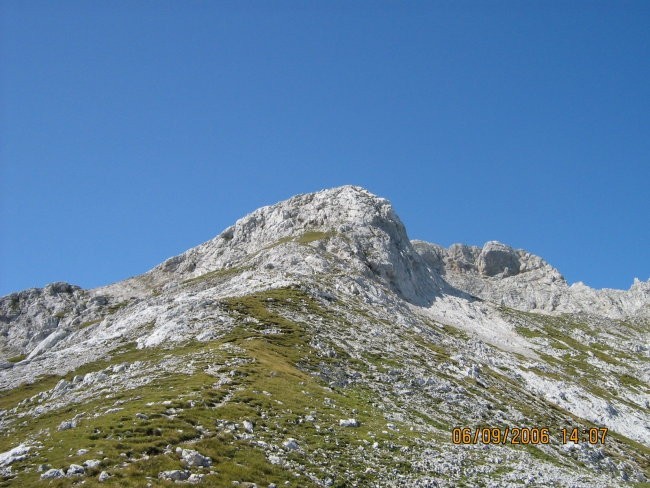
{"points": [[313, 344]]}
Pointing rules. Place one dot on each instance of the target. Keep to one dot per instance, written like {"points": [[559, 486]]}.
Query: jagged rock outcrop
{"points": [[31, 315], [35, 320], [515, 278]]}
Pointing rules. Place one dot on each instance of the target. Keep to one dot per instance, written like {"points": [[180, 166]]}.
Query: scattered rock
{"points": [[18, 453], [194, 458], [349, 423], [291, 444], [92, 463], [52, 473], [174, 475], [67, 424], [103, 476], [119, 368], [195, 478], [474, 371], [61, 386], [75, 470]]}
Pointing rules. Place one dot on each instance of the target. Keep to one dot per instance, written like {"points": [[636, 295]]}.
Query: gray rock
{"points": [[291, 444], [53, 473], [120, 368], [474, 371], [611, 410], [75, 470], [497, 258], [194, 458], [18, 453], [103, 476], [60, 287], [174, 475], [61, 387], [349, 423], [67, 424], [92, 463]]}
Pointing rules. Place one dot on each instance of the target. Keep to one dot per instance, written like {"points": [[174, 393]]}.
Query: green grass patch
{"points": [[89, 323], [313, 236], [631, 381], [10, 398], [222, 273], [114, 308], [305, 238]]}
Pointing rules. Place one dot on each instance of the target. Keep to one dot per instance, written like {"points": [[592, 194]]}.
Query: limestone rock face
{"points": [[349, 222], [518, 279], [38, 311], [34, 320], [497, 258]]}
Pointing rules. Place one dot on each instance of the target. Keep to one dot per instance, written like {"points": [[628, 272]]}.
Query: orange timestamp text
{"points": [[526, 435]]}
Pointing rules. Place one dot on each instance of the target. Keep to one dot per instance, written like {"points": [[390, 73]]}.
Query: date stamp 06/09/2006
{"points": [[527, 435]]}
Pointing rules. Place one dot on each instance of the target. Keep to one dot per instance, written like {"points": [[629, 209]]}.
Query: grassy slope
{"points": [[273, 382], [267, 388]]}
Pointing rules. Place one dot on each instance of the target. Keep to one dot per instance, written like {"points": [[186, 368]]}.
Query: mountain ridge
{"points": [[427, 332]]}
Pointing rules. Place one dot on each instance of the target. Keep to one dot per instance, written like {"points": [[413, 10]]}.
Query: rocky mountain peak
{"points": [[346, 210], [360, 230]]}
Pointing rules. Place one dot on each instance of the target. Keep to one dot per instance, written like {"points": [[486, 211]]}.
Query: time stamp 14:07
{"points": [[527, 435]]}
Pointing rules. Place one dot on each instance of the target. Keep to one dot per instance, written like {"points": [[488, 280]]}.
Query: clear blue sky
{"points": [[132, 131]]}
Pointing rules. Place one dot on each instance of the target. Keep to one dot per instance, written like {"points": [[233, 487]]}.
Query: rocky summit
{"points": [[312, 344]]}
